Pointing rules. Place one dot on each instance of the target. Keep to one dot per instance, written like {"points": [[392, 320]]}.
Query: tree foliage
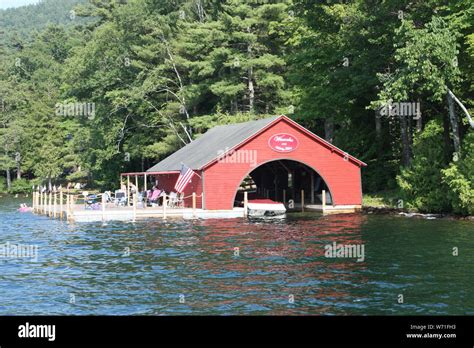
{"points": [[160, 73]]}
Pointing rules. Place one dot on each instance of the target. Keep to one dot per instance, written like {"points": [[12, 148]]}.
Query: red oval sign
{"points": [[283, 142]]}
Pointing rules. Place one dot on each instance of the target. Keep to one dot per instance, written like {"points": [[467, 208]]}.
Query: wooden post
{"points": [[50, 201], [61, 204], [55, 204], [164, 206], [42, 203], [103, 208], [68, 207], [302, 201], [33, 202], [70, 216], [312, 187], [194, 204], [128, 190], [72, 202], [145, 196], [323, 199], [136, 183], [245, 203], [293, 186], [134, 207]]}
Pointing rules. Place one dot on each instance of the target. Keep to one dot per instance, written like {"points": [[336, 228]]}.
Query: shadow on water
{"points": [[237, 266]]}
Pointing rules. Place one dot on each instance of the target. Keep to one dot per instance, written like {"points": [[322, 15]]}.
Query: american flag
{"points": [[185, 176]]}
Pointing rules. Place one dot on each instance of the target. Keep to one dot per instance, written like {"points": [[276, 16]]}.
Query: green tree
{"points": [[421, 183]]}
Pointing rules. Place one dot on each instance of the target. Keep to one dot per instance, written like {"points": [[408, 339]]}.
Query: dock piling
{"points": [[55, 205], [60, 204], [50, 202], [103, 208], [164, 206], [194, 204], [302, 201], [323, 199], [246, 200], [134, 207], [145, 191], [128, 190], [68, 206]]}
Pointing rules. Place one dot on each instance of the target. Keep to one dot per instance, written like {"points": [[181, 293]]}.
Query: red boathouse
{"points": [[273, 158]]}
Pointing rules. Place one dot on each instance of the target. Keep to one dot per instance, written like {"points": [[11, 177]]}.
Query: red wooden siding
{"points": [[341, 176], [167, 181]]}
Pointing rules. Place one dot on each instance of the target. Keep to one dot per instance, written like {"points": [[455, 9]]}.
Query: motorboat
{"points": [[265, 207]]}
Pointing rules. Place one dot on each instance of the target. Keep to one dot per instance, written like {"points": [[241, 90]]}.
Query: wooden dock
{"points": [[64, 206]]}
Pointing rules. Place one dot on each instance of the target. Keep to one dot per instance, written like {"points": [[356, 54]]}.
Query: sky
{"points": [[15, 3]]}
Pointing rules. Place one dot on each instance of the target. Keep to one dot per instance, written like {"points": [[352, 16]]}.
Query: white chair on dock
{"points": [[173, 200], [120, 198], [180, 200]]}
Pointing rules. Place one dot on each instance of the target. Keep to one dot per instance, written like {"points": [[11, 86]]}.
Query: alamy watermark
{"points": [[335, 250], [237, 156], [401, 109], [76, 109], [18, 251], [37, 331]]}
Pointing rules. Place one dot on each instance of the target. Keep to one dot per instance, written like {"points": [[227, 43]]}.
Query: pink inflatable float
{"points": [[24, 208]]}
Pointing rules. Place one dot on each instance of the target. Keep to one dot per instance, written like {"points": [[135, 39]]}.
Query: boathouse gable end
{"points": [[284, 139]]}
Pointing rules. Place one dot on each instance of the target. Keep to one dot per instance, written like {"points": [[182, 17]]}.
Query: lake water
{"points": [[158, 267]]}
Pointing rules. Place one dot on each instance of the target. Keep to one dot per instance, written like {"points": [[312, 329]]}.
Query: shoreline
{"points": [[411, 213], [367, 210]]}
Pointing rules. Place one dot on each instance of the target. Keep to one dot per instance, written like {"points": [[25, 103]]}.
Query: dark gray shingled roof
{"points": [[206, 148]]}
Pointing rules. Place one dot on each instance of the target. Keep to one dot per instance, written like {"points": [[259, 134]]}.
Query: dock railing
{"points": [[63, 204]]}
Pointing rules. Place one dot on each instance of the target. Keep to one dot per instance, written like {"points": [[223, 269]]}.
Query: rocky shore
{"points": [[385, 210]]}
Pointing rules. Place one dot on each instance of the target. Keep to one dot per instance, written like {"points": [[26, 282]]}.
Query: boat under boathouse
{"points": [[269, 159]]}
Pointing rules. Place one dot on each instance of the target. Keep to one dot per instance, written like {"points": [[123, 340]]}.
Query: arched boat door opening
{"points": [[284, 181]]}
